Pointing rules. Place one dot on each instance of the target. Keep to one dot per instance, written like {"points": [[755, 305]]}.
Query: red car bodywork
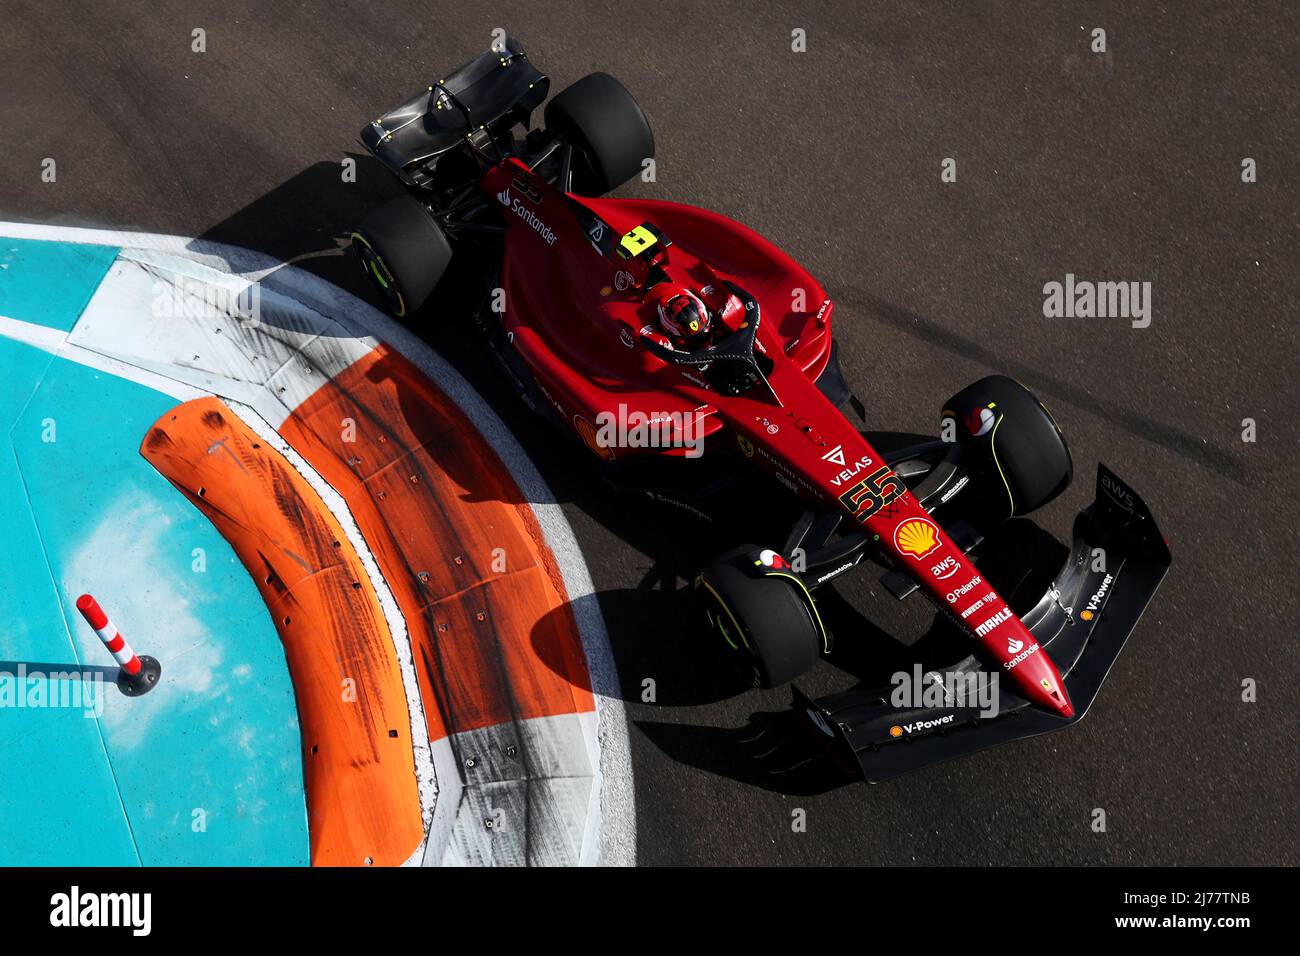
{"points": [[573, 310]]}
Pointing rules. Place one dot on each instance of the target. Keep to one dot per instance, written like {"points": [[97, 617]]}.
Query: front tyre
{"points": [[403, 253], [1028, 461], [765, 613]]}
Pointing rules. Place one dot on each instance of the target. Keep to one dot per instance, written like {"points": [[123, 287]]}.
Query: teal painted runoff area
{"points": [[206, 769]]}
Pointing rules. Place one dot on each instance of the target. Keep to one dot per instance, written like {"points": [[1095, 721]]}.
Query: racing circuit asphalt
{"points": [[1117, 166]]}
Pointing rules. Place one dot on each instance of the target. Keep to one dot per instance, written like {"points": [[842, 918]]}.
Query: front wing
{"points": [[1118, 559]]}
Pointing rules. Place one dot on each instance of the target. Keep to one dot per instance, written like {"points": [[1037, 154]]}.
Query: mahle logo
{"points": [[993, 622]]}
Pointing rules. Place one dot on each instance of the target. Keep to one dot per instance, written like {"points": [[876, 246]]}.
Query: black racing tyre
{"points": [[771, 618], [1029, 457], [403, 252], [601, 120]]}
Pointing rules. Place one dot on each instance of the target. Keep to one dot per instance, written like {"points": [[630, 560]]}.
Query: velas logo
{"points": [[850, 470], [835, 456], [916, 537]]}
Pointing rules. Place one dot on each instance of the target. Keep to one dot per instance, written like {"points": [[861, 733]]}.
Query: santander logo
{"points": [[528, 216]]}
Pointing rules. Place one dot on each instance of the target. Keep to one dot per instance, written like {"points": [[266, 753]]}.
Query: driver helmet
{"points": [[683, 316]]}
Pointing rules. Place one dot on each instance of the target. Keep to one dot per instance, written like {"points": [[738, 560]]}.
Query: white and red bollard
{"points": [[138, 675]]}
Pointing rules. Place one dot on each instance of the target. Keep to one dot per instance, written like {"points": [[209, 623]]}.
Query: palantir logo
{"points": [[74, 908]]}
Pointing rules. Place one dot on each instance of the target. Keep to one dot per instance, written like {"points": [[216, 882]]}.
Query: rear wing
{"points": [[1118, 560], [489, 94]]}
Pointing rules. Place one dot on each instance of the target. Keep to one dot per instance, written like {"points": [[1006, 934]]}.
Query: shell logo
{"points": [[895, 731], [1086, 615], [916, 537]]}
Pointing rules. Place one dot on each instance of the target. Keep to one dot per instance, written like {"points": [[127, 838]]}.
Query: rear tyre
{"points": [[1028, 456], [403, 253], [771, 618], [604, 124]]}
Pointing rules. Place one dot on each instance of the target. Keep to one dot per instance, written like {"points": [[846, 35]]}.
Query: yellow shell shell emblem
{"points": [[916, 537]]}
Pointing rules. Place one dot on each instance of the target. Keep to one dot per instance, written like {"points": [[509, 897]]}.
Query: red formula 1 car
{"points": [[650, 328]]}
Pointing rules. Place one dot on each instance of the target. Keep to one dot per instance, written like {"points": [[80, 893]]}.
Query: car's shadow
{"points": [[667, 661]]}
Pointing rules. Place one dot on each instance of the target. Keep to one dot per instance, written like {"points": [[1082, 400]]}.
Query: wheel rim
{"points": [[378, 273], [721, 619]]}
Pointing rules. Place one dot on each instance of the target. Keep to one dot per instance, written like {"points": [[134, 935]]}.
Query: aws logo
{"points": [[945, 568], [1117, 492]]}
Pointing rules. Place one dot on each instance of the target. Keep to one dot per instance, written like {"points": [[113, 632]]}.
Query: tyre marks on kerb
{"points": [[362, 800], [303, 309]]}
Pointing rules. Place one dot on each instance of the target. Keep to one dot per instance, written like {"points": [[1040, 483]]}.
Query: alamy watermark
{"points": [[1084, 299], [638, 429], [184, 298], [972, 690], [24, 689]]}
